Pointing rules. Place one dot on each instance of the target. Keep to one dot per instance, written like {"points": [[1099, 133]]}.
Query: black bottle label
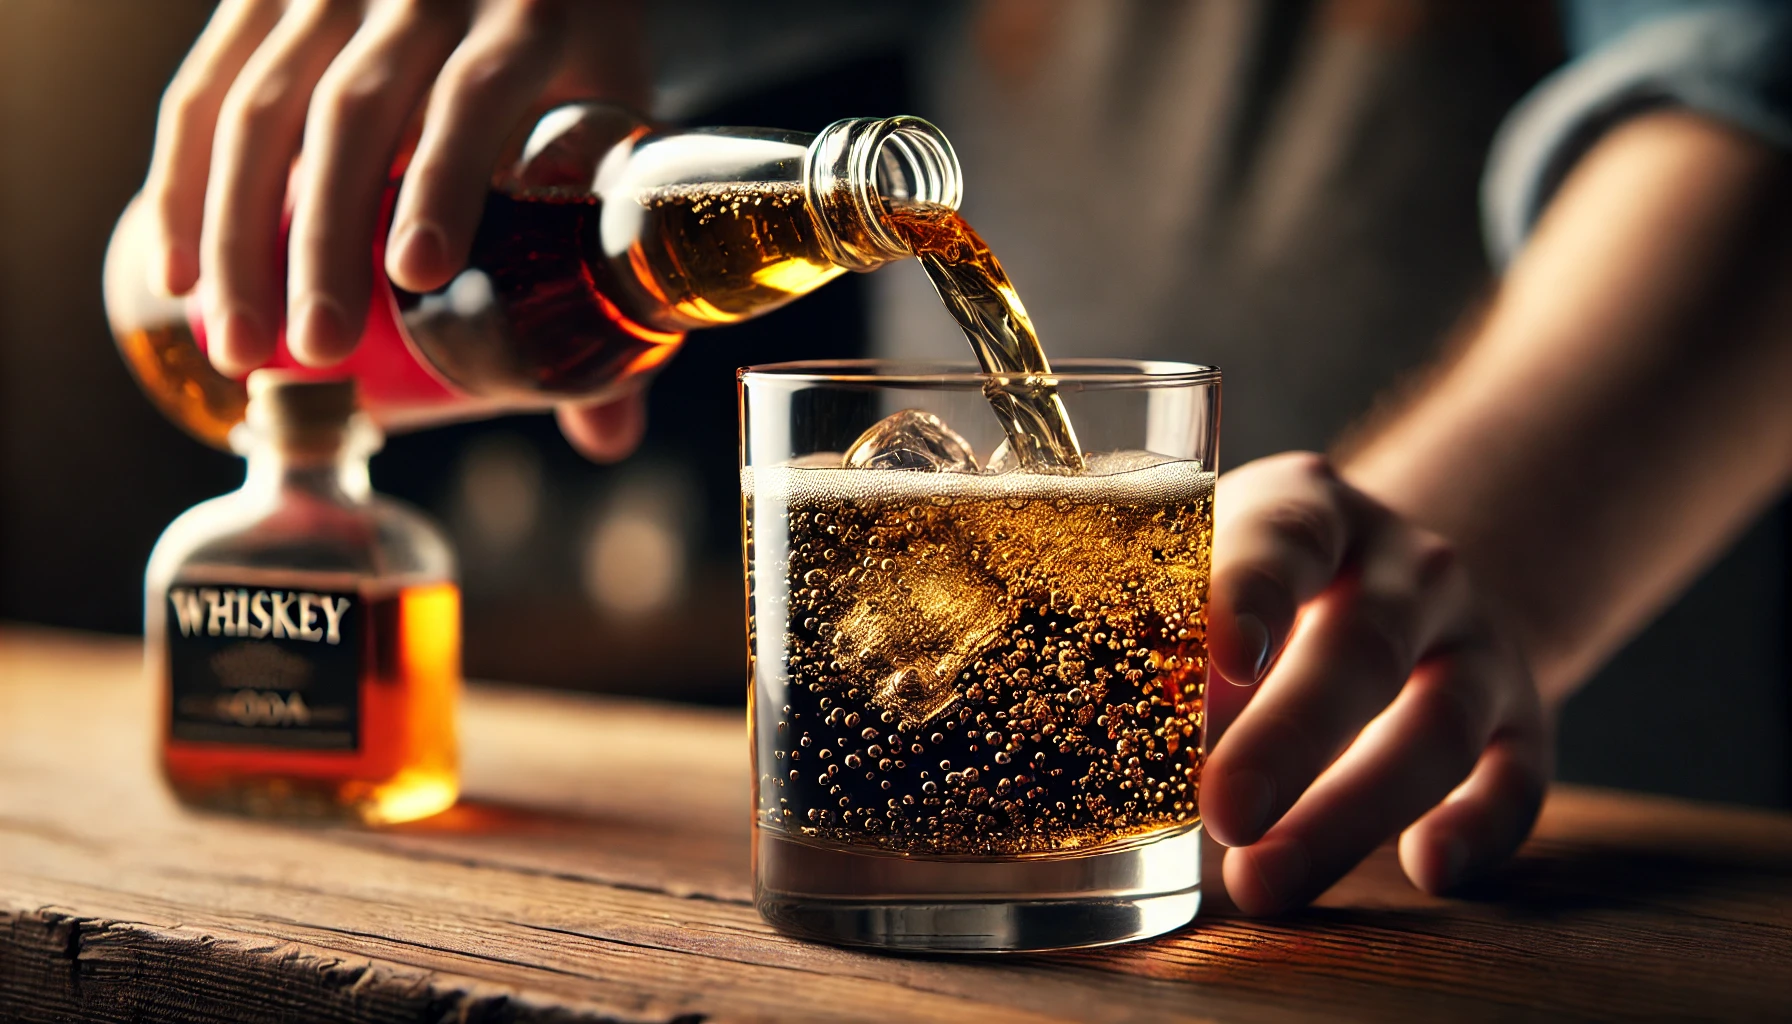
{"points": [[261, 667]]}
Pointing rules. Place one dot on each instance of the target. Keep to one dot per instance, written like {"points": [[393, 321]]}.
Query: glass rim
{"points": [[918, 373]]}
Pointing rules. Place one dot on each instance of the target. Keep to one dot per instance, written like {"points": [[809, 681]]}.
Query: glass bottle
{"points": [[304, 632], [599, 248]]}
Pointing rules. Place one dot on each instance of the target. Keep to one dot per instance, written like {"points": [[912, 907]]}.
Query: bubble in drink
{"points": [[1015, 664]]}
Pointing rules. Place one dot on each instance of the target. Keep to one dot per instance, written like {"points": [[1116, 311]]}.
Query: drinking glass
{"points": [[978, 692]]}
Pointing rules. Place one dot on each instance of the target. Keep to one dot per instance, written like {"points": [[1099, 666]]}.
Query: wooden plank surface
{"points": [[597, 871]]}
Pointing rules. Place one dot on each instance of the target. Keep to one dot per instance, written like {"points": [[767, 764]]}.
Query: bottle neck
{"points": [[331, 470], [856, 170]]}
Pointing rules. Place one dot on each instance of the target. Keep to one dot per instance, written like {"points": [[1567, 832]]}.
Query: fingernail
{"points": [[1256, 795], [421, 249], [319, 334], [1255, 638], [1281, 871]]}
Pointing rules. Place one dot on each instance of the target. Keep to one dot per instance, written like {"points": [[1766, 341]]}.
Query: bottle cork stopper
{"points": [[289, 405]]}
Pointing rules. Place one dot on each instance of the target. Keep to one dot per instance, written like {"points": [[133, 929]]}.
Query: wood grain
{"points": [[597, 871]]}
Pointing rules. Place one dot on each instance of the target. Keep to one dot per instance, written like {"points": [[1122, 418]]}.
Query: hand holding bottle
{"points": [[351, 85]]}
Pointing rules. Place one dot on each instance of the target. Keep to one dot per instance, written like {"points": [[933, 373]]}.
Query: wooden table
{"points": [[597, 871]]}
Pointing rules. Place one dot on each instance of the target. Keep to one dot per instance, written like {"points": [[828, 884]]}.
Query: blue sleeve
{"points": [[1730, 60]]}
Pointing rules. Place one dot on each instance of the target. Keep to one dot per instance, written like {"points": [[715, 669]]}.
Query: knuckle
{"points": [[423, 11], [539, 14], [477, 74], [348, 102], [1437, 564], [1447, 714], [1310, 529], [1308, 464], [185, 102], [316, 11], [257, 108], [1382, 637]]}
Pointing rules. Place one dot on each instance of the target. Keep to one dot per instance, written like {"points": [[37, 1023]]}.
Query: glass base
{"points": [[893, 902]]}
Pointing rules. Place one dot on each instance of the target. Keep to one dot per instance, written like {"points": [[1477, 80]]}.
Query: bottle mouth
{"points": [[304, 416], [908, 159], [857, 167]]}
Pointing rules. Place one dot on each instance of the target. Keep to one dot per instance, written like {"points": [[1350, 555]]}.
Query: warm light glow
{"points": [[795, 277], [430, 650], [646, 334], [412, 795], [636, 555], [500, 491], [634, 563]]}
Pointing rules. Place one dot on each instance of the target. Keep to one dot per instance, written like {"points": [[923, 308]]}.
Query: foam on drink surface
{"points": [[1116, 476]]}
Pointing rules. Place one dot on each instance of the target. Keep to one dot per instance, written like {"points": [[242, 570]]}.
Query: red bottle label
{"points": [[391, 376]]}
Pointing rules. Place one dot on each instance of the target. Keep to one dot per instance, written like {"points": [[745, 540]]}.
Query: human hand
{"points": [[1390, 699], [351, 84]]}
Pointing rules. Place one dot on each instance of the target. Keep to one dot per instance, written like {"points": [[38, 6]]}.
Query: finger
{"points": [[259, 126], [1404, 762], [1483, 821], [607, 431], [175, 188], [484, 90], [1279, 537], [1351, 653], [356, 120]]}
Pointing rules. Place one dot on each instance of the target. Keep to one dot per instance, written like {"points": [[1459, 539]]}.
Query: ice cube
{"points": [[913, 645], [911, 439]]}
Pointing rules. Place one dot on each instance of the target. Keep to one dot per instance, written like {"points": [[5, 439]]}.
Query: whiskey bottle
{"points": [[599, 248], [303, 631]]}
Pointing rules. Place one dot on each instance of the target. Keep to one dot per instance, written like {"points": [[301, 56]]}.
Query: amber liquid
{"points": [[979, 295], [406, 765], [557, 302], [718, 253], [1011, 667], [179, 378], [542, 311]]}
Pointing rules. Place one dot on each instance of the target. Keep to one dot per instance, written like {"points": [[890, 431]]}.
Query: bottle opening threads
{"points": [[855, 167]]}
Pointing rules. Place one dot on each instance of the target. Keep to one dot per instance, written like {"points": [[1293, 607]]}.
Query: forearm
{"points": [[1626, 405]]}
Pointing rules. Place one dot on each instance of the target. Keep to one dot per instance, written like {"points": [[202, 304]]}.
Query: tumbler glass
{"points": [[978, 692]]}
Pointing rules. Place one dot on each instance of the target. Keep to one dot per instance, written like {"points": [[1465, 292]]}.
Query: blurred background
{"points": [[1319, 160]]}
